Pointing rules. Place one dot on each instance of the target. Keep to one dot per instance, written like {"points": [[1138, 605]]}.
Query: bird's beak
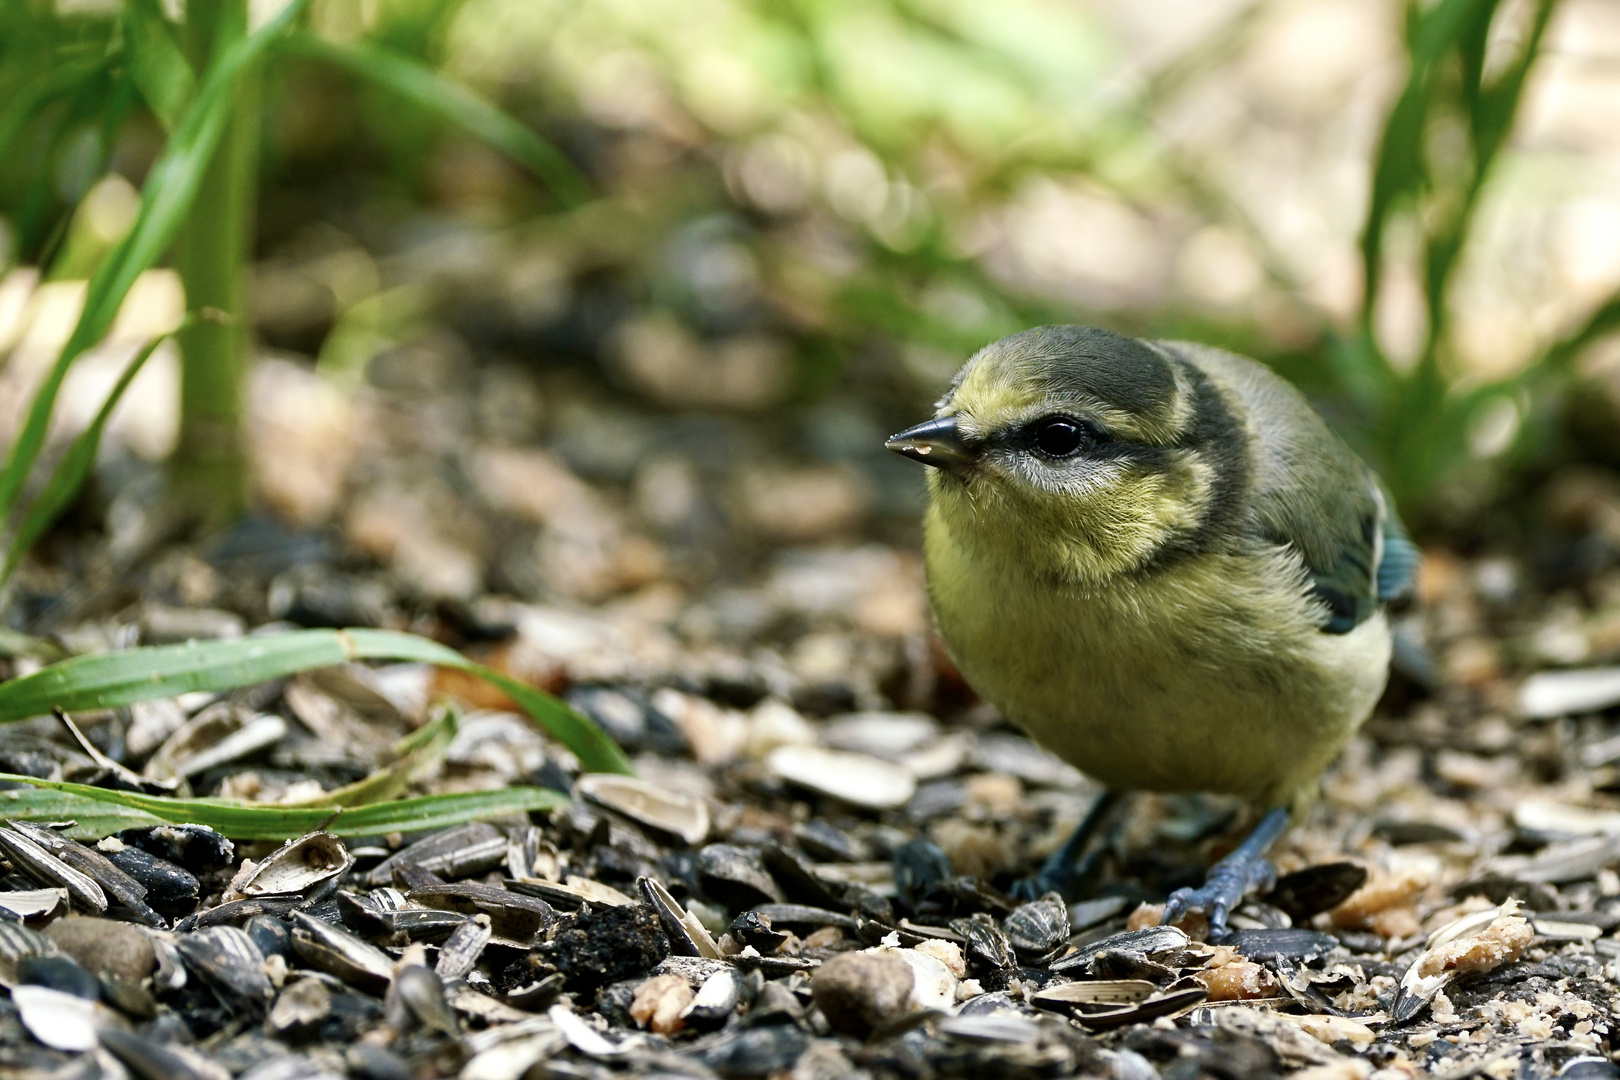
{"points": [[934, 442]]}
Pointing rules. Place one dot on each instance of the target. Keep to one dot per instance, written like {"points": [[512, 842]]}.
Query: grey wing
{"points": [[1373, 566], [1310, 492]]}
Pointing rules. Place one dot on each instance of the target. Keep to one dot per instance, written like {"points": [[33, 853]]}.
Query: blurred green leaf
{"points": [[170, 188], [451, 101], [157, 62], [74, 468], [108, 680]]}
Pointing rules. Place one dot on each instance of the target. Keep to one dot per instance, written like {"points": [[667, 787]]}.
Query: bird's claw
{"points": [[1229, 881]]}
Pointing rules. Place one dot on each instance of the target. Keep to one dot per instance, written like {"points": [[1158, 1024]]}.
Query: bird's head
{"points": [[1076, 453]]}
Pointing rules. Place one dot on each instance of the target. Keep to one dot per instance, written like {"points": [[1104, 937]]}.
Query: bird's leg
{"points": [[1063, 870], [1231, 879]]}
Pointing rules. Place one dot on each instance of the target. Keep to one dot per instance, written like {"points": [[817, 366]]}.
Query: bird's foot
{"points": [[1228, 883], [1245, 870], [1064, 877], [1068, 868]]}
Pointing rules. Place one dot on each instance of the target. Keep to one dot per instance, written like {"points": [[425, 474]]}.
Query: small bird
{"points": [[1156, 559]]}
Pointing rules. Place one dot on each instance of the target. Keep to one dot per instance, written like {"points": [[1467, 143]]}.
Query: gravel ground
{"points": [[809, 879]]}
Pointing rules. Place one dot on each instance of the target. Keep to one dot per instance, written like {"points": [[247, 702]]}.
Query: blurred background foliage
{"points": [[770, 230]]}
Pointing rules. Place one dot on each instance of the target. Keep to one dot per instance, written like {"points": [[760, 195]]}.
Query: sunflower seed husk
{"points": [[297, 867], [41, 866], [985, 941], [665, 812], [429, 925], [519, 1047], [218, 735], [1166, 944], [1474, 943], [572, 894], [463, 947], [1098, 992], [228, 958], [114, 883], [16, 944], [513, 916], [1037, 928], [736, 877], [1174, 999], [453, 853], [858, 779], [801, 918], [300, 1006], [170, 889], [195, 847], [60, 1020], [421, 992], [35, 905], [530, 856], [153, 1060], [338, 952], [687, 936], [717, 999]]}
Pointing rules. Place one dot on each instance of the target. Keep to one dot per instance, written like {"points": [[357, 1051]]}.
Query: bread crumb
{"points": [[1238, 980], [1499, 943], [828, 937], [1336, 1029], [1382, 892], [1146, 916], [946, 952], [1342, 1069], [659, 1003]]}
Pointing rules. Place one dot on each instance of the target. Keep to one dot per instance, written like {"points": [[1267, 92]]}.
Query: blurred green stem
{"points": [[210, 465]]}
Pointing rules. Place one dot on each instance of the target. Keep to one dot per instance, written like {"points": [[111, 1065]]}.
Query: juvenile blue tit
{"points": [[1156, 559]]}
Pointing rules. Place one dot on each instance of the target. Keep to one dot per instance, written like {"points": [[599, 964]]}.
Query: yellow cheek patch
{"points": [[1111, 530]]}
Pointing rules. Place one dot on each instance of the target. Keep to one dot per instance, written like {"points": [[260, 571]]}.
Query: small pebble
{"points": [[859, 992], [104, 946]]}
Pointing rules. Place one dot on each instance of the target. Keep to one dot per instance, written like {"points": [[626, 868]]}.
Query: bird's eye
{"points": [[1059, 436]]}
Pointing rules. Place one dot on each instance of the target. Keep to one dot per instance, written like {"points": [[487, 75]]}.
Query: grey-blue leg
{"points": [[1063, 872], [1231, 879]]}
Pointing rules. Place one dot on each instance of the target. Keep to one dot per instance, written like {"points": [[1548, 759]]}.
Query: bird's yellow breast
{"points": [[1210, 678]]}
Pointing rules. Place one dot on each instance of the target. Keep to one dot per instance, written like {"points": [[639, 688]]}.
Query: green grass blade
{"points": [[442, 811], [157, 63], [59, 800], [92, 818], [1398, 169], [171, 187], [429, 90], [15, 643], [590, 743], [75, 467], [108, 680], [416, 751], [59, 79]]}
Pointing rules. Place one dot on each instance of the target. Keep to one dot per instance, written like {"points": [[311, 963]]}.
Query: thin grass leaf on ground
{"points": [[414, 755], [109, 680], [101, 812]]}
